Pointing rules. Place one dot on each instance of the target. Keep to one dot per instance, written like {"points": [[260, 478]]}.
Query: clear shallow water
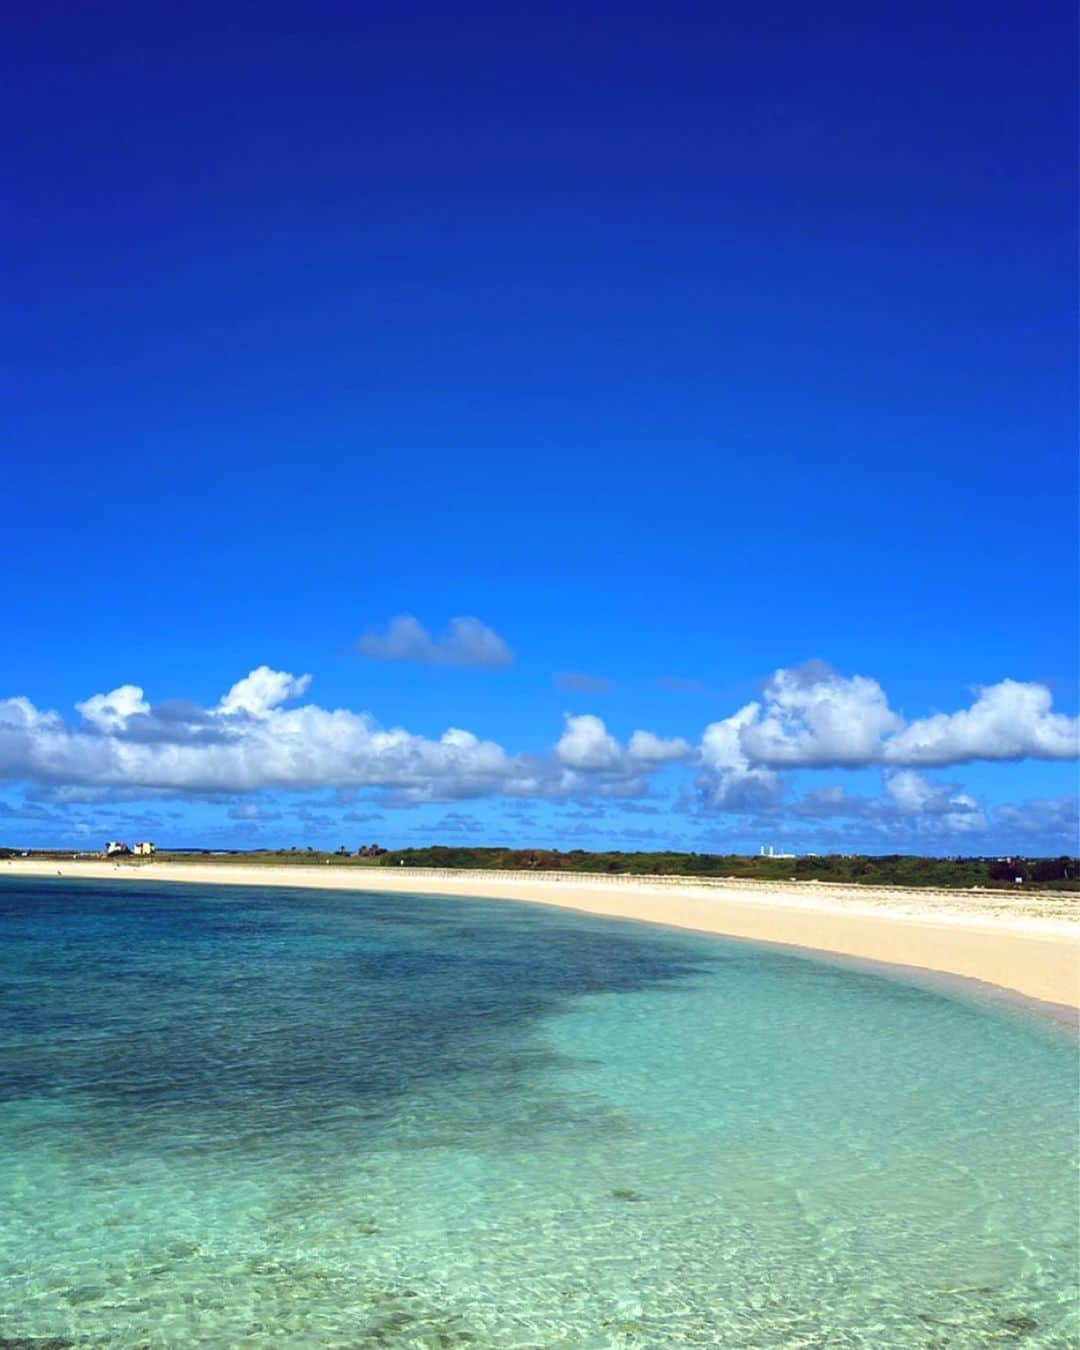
{"points": [[230, 1117]]}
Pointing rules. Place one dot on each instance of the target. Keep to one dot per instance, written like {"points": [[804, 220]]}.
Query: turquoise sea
{"points": [[240, 1117]]}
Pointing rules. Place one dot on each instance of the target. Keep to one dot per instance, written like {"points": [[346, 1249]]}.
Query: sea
{"points": [[236, 1116]]}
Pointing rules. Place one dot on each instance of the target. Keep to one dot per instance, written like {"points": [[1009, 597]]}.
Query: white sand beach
{"points": [[1027, 944]]}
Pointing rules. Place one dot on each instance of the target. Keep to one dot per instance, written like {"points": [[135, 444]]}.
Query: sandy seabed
{"points": [[1028, 945]]}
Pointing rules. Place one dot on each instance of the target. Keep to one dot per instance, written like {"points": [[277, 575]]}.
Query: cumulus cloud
{"points": [[587, 745], [264, 689], [20, 715], [467, 642], [111, 712], [248, 742], [262, 736], [258, 738], [910, 805], [1009, 720], [813, 717], [730, 781], [646, 748], [910, 794]]}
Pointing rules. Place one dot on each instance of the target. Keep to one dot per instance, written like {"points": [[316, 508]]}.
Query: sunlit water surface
{"points": [[233, 1116]]}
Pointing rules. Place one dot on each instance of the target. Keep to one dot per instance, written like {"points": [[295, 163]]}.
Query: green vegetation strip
{"points": [[851, 869]]}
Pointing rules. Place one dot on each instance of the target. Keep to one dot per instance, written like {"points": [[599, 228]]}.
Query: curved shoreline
{"points": [[983, 937]]}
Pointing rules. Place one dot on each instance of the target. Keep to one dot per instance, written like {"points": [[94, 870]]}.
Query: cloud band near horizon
{"points": [[258, 738]]}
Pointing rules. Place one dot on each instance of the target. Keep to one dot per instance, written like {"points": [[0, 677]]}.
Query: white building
{"points": [[144, 849], [115, 846]]}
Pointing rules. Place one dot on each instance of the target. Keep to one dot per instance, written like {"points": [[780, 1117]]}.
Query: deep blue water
{"points": [[233, 1116]]}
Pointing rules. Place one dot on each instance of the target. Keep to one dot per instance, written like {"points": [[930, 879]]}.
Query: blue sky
{"points": [[673, 349]]}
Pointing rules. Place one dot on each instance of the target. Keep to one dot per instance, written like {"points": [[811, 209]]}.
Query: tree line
{"points": [[895, 869]]}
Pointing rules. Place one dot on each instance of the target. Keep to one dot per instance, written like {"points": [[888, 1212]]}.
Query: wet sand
{"points": [[1027, 944]]}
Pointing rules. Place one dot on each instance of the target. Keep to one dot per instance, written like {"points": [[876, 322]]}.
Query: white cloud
{"points": [[586, 745], [20, 715], [1009, 720], [813, 716], [259, 736], [247, 743], [910, 794], [110, 712], [467, 642], [911, 808], [646, 748], [256, 694], [730, 781]]}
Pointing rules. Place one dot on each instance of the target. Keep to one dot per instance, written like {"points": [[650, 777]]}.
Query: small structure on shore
{"points": [[144, 849], [115, 847]]}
